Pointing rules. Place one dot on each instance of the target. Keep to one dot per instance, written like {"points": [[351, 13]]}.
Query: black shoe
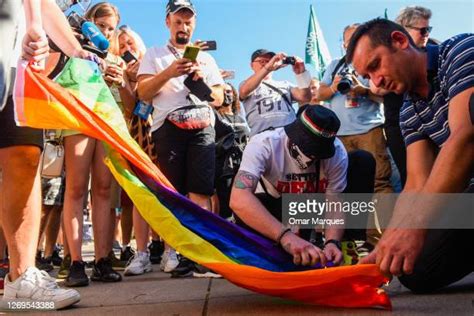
{"points": [[185, 268], [126, 254], [102, 271], [56, 260], [77, 275], [156, 248], [43, 264]]}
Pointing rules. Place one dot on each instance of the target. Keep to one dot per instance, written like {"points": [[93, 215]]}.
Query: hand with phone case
{"points": [[206, 45], [180, 67]]}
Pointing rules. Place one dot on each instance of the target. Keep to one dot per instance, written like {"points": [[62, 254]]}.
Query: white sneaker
{"points": [[139, 264], [36, 290], [169, 260]]}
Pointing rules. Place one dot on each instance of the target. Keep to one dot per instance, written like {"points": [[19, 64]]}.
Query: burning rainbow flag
{"points": [[79, 99]]}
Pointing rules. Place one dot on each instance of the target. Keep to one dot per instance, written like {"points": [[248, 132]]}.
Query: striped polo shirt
{"points": [[450, 71]]}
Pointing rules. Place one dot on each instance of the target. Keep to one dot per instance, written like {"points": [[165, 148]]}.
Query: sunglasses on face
{"points": [[423, 30]]}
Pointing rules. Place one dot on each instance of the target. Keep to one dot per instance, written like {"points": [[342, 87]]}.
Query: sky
{"points": [[242, 26]]}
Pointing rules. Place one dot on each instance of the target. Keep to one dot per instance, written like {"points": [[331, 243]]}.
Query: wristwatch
{"points": [[334, 241]]}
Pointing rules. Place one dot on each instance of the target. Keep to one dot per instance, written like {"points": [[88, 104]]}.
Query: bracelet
{"points": [[335, 242], [332, 89], [280, 236]]}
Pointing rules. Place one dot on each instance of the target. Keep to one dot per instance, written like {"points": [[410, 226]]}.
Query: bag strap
{"points": [[279, 92], [338, 66]]}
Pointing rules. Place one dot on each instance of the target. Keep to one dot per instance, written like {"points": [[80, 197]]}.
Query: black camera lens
{"points": [[344, 86], [289, 60]]}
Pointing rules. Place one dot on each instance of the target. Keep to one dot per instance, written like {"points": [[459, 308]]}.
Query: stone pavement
{"points": [[157, 294]]}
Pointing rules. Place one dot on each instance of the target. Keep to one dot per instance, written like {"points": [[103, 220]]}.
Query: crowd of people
{"points": [[235, 150]]}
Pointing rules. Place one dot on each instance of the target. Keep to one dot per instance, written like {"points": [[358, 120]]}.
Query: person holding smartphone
{"points": [[182, 123]]}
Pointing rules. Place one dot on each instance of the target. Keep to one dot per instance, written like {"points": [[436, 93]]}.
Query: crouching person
{"points": [[302, 157]]}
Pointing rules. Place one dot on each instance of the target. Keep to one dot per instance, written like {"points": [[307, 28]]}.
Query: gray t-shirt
{"points": [[266, 108], [358, 119]]}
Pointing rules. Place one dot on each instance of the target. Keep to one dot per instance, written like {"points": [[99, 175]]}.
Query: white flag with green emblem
{"points": [[317, 52]]}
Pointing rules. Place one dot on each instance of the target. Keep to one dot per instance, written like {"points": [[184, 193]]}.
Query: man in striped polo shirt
{"points": [[437, 125]]}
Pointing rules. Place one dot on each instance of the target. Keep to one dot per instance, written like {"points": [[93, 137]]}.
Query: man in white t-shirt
{"points": [[303, 157], [182, 128], [269, 103], [182, 122]]}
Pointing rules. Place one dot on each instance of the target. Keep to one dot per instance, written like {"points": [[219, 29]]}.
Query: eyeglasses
{"points": [[262, 61], [423, 30]]}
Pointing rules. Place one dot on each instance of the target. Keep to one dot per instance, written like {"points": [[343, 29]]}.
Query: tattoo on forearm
{"points": [[245, 180]]}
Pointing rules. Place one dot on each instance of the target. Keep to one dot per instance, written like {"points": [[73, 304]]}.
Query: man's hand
{"points": [[303, 252], [201, 44], [35, 46], [333, 253], [276, 62], [197, 71], [298, 67], [180, 67], [396, 252], [357, 89], [334, 83]]}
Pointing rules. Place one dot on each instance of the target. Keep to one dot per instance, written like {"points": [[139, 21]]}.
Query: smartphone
{"points": [[211, 45], [191, 53], [128, 57]]}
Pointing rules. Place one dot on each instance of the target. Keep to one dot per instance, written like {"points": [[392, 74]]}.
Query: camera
{"points": [[290, 60], [345, 85]]}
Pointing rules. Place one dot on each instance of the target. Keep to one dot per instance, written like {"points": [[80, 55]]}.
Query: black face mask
{"points": [[302, 161], [228, 98]]}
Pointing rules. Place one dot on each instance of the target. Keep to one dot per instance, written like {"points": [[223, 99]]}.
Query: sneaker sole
{"points": [[145, 270], [80, 283], [208, 275], [184, 275], [98, 279], [169, 270]]}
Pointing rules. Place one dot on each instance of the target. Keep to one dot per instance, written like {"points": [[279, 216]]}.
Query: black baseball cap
{"points": [[174, 6], [261, 52], [314, 132]]}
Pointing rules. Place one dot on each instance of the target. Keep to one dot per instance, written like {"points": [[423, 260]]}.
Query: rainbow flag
{"points": [[79, 99]]}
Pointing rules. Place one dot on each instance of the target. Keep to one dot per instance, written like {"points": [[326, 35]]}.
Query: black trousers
{"points": [[360, 179], [446, 257]]}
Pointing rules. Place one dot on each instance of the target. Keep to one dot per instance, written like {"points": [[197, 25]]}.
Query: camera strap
{"points": [[279, 92], [341, 62]]}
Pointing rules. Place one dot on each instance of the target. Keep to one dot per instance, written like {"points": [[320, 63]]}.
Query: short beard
{"points": [[182, 40]]}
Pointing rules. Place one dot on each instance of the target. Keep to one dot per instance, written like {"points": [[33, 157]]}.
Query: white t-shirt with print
{"points": [[173, 94], [266, 156], [266, 108]]}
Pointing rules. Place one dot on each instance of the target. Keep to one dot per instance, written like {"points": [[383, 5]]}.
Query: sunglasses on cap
{"points": [[423, 30]]}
